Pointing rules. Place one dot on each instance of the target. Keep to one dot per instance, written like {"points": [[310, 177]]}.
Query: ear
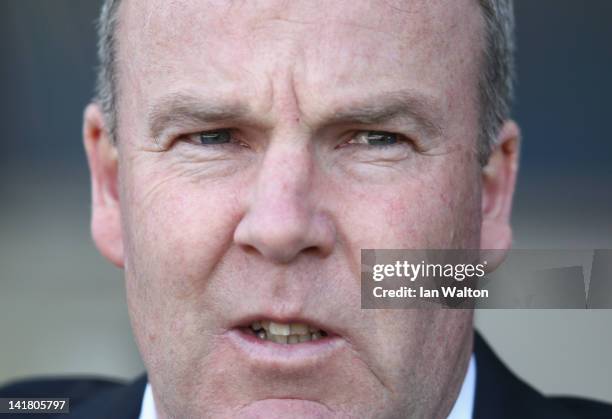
{"points": [[498, 183], [103, 165]]}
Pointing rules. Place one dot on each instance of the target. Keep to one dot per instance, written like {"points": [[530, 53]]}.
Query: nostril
{"points": [[281, 254], [312, 250], [248, 249]]}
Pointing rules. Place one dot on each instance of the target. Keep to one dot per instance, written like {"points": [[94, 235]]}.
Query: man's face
{"points": [[261, 145]]}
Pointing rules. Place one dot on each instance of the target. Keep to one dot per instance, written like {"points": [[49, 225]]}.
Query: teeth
{"points": [[286, 333], [278, 338], [299, 329], [280, 329]]}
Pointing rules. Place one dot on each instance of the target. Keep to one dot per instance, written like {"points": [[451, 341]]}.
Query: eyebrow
{"points": [[180, 109], [415, 106]]}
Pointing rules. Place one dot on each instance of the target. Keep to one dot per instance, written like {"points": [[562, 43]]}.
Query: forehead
{"points": [[321, 47]]}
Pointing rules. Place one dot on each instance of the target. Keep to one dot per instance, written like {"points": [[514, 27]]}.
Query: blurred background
{"points": [[62, 307]]}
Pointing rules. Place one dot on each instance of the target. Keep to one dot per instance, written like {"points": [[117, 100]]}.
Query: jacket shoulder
{"points": [[585, 408], [75, 388], [502, 395]]}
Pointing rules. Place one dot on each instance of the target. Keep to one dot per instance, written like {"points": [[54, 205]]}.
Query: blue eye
{"points": [[215, 137], [376, 138]]}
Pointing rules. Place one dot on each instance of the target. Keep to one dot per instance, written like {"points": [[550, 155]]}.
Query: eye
{"points": [[375, 138], [221, 136]]}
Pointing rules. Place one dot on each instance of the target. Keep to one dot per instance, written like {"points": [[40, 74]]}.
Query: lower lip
{"points": [[276, 354]]}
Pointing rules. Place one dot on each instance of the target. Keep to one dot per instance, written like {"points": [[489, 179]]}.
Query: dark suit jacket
{"points": [[499, 395]]}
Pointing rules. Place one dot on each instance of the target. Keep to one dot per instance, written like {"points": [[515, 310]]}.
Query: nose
{"points": [[284, 217]]}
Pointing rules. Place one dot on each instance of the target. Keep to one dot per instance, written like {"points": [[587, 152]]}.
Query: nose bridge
{"points": [[281, 219], [281, 209], [284, 180]]}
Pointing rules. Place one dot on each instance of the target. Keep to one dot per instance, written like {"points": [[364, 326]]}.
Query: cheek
{"points": [[177, 225], [176, 229], [429, 212]]}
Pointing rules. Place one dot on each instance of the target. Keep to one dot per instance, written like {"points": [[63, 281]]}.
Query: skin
{"points": [[272, 223]]}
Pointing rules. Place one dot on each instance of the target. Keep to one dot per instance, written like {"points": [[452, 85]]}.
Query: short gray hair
{"points": [[495, 83]]}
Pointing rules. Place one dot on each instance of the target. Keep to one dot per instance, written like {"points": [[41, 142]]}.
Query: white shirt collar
{"points": [[463, 408], [147, 409], [464, 405]]}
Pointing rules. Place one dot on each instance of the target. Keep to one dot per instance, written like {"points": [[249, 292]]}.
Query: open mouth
{"points": [[294, 344], [285, 333]]}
